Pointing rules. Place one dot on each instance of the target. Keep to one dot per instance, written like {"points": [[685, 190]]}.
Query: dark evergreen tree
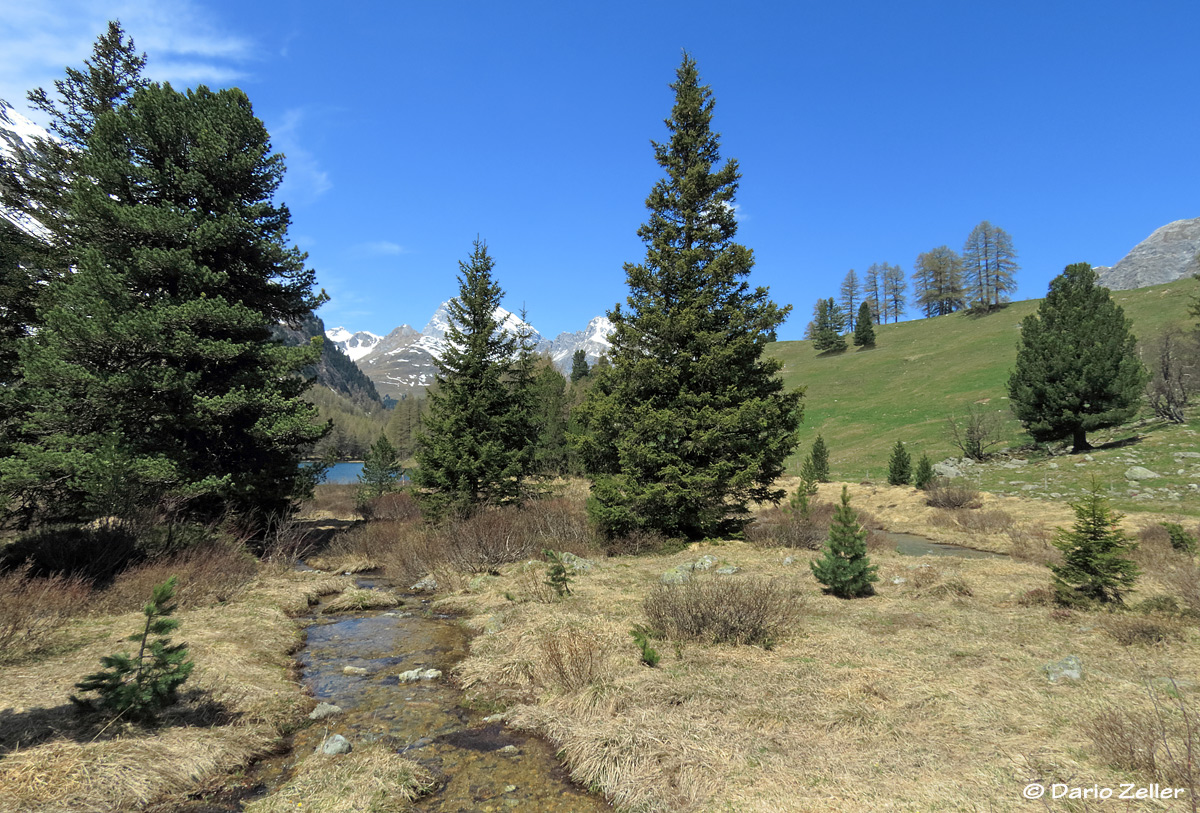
{"points": [[1095, 566], [937, 282], [381, 471], [691, 422], [1077, 367], [820, 459], [550, 453], [899, 466], [465, 454], [579, 366], [864, 330], [828, 327], [155, 356], [924, 474], [845, 569]]}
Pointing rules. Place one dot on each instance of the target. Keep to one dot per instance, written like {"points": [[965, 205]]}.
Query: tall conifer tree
{"points": [[1077, 367], [470, 453], [155, 361], [691, 422], [864, 331]]}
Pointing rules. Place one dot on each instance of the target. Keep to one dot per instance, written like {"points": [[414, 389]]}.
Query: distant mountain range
{"points": [[403, 360]]}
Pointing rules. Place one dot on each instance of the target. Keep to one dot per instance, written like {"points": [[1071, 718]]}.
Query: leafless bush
{"points": [[724, 610], [560, 523], [1174, 377], [572, 659], [1128, 630], [975, 432], [1038, 597], [405, 550], [636, 543], [33, 610], [400, 506], [532, 584], [943, 493], [788, 528], [487, 539], [286, 541], [332, 499], [1160, 742]]}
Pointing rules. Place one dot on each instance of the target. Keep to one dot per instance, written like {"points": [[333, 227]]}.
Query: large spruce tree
{"points": [[475, 444], [1077, 367], [690, 423], [154, 365]]}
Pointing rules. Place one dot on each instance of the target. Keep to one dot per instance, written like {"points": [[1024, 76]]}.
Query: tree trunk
{"points": [[1081, 444]]}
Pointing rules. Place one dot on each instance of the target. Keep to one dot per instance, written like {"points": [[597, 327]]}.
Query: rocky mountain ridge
{"points": [[1171, 252]]}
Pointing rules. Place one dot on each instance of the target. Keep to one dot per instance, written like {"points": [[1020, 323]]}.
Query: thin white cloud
{"points": [[381, 248], [305, 180], [184, 42]]}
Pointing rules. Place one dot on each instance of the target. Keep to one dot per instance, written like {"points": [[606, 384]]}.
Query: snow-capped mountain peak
{"points": [[355, 345]]}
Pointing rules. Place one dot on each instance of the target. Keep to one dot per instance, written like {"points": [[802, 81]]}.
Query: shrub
{"points": [[141, 686], [1180, 539], [790, 528], [557, 576], [899, 466], [486, 539], [845, 569], [976, 432], [33, 610], [641, 636], [638, 542], [96, 553], [1159, 742], [1038, 597], [721, 609], [572, 659], [398, 506], [1094, 565], [1127, 630], [943, 493], [560, 523]]}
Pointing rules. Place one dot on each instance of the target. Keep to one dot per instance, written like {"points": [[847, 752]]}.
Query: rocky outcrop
{"points": [[1170, 253]]}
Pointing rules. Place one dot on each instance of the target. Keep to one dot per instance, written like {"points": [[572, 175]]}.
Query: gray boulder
{"points": [[335, 744], [1069, 668], [577, 563], [426, 584], [728, 570], [324, 710], [947, 469], [1138, 473], [415, 675]]}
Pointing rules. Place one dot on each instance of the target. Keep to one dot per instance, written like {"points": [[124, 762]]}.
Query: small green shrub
{"points": [[924, 474], [557, 574], [641, 636], [845, 569], [1095, 565], [1181, 540], [141, 686]]}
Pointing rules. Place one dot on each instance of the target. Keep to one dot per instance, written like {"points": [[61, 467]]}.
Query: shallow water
{"points": [[909, 545], [425, 721]]}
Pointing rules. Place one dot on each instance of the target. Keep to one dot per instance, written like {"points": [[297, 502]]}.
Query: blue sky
{"points": [[866, 132]]}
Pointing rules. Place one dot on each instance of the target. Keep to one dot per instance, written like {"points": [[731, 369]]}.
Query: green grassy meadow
{"points": [[921, 371]]}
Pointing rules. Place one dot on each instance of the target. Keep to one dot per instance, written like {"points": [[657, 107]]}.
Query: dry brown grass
{"points": [[572, 659], [33, 612], [1153, 735], [210, 573], [785, 527], [370, 779], [357, 599], [237, 703], [910, 700]]}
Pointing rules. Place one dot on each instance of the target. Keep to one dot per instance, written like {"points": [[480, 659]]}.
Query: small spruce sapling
{"points": [[641, 636], [924, 474], [557, 575], [845, 569], [1094, 567], [143, 685], [1181, 540], [820, 460], [900, 466]]}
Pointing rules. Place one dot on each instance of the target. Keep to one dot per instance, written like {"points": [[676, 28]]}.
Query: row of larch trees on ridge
{"points": [[140, 369], [982, 277], [687, 422]]}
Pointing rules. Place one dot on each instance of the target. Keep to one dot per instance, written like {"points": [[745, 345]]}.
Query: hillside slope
{"points": [[923, 370]]}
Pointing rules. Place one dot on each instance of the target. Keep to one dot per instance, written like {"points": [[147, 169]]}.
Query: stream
{"points": [[482, 765], [910, 545]]}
